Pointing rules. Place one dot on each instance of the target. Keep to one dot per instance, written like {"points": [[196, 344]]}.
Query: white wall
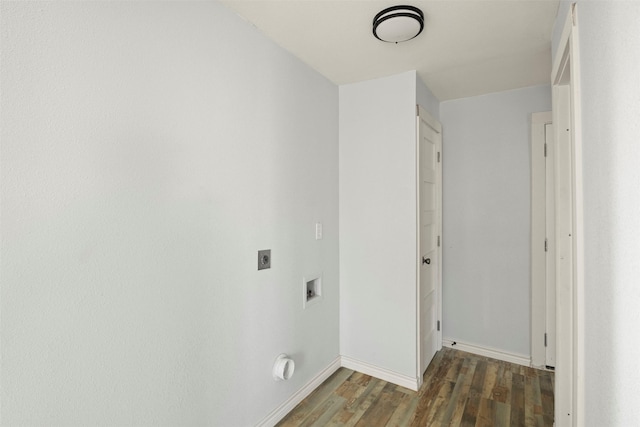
{"points": [[378, 222], [149, 149], [486, 217], [610, 91]]}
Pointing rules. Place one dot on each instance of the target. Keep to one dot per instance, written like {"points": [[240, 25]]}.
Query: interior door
{"points": [[543, 240], [429, 232]]}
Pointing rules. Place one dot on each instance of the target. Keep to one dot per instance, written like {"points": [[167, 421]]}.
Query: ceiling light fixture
{"points": [[398, 24]]}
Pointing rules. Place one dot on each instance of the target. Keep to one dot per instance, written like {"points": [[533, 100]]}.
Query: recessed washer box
{"points": [[312, 290]]}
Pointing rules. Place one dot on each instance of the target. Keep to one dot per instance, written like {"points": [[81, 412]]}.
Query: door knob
{"points": [[426, 260]]}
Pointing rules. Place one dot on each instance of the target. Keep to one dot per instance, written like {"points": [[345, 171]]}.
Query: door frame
{"points": [[541, 153], [569, 375], [435, 125]]}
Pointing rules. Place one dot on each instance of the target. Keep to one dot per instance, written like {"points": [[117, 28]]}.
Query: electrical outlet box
{"points": [[264, 259]]}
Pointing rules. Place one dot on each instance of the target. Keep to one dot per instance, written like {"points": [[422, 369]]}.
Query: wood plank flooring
{"points": [[460, 389]]}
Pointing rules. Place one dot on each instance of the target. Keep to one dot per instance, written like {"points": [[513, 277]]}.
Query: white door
{"points": [[543, 241], [550, 260], [429, 235]]}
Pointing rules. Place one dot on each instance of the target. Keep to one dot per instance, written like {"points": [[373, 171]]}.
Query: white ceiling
{"points": [[468, 47]]}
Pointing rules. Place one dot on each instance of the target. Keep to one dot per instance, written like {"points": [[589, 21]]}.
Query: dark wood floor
{"points": [[460, 389]]}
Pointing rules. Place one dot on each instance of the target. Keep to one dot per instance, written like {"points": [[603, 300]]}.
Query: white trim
{"points": [[380, 373], [564, 257], [418, 326], [518, 359], [567, 105], [578, 351], [281, 411]]}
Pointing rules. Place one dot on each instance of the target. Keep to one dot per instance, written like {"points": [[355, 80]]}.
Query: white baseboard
{"points": [[505, 356], [281, 411], [380, 373]]}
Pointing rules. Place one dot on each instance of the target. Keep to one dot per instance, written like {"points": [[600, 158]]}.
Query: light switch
{"points": [[318, 231]]}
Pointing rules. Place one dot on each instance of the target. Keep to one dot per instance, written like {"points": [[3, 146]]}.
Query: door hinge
{"points": [[545, 149], [545, 339], [417, 110], [438, 325], [546, 246], [438, 241], [438, 157]]}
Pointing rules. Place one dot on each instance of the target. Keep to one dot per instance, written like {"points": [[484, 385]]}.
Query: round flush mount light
{"points": [[398, 24]]}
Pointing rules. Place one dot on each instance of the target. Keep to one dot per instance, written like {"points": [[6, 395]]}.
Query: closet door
{"points": [[429, 232]]}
